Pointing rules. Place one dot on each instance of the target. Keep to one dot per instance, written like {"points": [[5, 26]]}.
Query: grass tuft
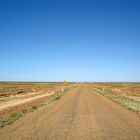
{"points": [[34, 107], [9, 120], [16, 115], [24, 111], [57, 97]]}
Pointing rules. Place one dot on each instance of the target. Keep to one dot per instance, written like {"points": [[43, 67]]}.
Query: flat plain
{"points": [[82, 113]]}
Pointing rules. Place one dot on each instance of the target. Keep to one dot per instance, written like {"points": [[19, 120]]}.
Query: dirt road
{"points": [[82, 114]]}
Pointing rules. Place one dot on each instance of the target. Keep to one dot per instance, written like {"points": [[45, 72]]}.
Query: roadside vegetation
{"points": [[128, 103], [16, 115]]}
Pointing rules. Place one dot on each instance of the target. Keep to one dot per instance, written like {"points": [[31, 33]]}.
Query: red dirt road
{"points": [[82, 114]]}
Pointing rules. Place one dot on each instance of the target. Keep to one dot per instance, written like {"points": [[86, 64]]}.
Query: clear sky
{"points": [[76, 40]]}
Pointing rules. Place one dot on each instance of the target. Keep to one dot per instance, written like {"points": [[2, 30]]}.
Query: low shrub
{"points": [[34, 107]]}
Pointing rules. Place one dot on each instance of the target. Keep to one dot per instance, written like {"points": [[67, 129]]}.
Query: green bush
{"points": [[34, 107], [57, 97]]}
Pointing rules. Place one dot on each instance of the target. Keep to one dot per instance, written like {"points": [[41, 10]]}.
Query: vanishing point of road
{"points": [[81, 114]]}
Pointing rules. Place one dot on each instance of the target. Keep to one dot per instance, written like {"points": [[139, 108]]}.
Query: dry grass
{"points": [[13, 88], [128, 103]]}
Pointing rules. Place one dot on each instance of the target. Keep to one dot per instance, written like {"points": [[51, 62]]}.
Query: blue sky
{"points": [[76, 40]]}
